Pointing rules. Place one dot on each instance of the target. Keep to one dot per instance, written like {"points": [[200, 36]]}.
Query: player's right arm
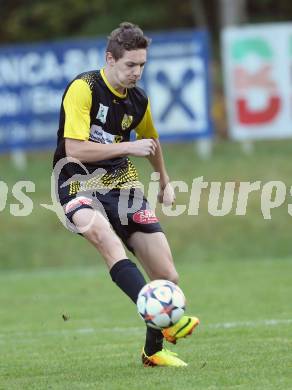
{"points": [[77, 105], [87, 151]]}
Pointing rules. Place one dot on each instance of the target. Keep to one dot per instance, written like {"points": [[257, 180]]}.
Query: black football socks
{"points": [[128, 277], [153, 342]]}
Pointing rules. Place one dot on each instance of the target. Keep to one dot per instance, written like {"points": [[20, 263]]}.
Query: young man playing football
{"points": [[99, 110]]}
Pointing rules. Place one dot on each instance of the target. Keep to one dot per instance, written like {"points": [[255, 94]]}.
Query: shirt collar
{"points": [[110, 87]]}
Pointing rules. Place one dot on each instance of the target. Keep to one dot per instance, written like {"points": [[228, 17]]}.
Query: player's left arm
{"points": [[146, 129], [166, 194]]}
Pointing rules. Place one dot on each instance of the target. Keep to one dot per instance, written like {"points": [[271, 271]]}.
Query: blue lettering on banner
{"points": [[32, 81]]}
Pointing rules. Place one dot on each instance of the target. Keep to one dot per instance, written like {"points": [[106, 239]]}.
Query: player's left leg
{"points": [[154, 254], [144, 246]]}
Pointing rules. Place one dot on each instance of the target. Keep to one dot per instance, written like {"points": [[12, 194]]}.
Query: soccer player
{"points": [[99, 110]]}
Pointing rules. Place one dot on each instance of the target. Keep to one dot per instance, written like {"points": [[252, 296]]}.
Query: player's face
{"points": [[128, 69]]}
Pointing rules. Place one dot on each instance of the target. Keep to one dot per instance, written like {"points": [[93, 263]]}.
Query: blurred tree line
{"points": [[37, 20]]}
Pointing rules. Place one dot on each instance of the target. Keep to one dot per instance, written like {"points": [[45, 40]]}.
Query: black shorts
{"points": [[128, 211]]}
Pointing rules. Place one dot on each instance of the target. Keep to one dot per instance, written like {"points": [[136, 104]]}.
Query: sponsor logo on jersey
{"points": [[145, 217], [127, 121], [76, 202], [118, 139], [99, 135], [102, 113]]}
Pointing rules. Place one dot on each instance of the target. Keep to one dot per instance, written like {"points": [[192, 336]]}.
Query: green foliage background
{"points": [[34, 20]]}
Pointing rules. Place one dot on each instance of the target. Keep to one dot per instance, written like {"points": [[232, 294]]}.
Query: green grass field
{"points": [[243, 342], [42, 238], [235, 271]]}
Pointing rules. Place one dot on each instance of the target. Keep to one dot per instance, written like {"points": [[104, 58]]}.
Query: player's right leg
{"points": [[86, 215], [97, 230]]}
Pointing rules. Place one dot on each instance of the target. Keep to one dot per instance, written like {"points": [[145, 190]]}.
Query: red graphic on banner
{"points": [[245, 81], [248, 116], [261, 78]]}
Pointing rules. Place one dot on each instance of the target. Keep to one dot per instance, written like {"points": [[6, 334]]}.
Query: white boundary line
{"points": [[85, 331], [250, 324]]}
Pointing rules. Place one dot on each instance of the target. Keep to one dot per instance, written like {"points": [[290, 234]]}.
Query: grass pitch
{"points": [[74, 329], [39, 239], [64, 325]]}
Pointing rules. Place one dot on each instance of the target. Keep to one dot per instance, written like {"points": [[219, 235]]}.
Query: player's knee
{"points": [[171, 272], [170, 275], [174, 278]]}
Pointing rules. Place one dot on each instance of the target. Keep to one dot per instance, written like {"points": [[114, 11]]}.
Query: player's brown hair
{"points": [[127, 36]]}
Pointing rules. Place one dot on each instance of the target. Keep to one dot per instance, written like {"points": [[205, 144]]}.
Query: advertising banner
{"points": [[258, 84], [34, 77]]}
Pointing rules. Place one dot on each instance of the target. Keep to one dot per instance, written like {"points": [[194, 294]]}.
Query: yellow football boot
{"points": [[183, 328], [162, 358]]}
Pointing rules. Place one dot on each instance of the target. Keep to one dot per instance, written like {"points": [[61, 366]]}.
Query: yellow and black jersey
{"points": [[92, 110]]}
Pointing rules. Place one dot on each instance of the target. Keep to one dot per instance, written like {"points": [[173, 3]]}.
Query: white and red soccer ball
{"points": [[161, 304]]}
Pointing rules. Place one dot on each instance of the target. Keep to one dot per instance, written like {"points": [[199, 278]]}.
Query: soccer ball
{"points": [[161, 304]]}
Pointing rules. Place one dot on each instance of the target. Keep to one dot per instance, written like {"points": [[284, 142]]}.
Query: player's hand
{"points": [[142, 148], [166, 195]]}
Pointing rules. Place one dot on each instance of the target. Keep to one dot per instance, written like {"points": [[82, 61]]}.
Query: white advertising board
{"points": [[258, 80]]}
